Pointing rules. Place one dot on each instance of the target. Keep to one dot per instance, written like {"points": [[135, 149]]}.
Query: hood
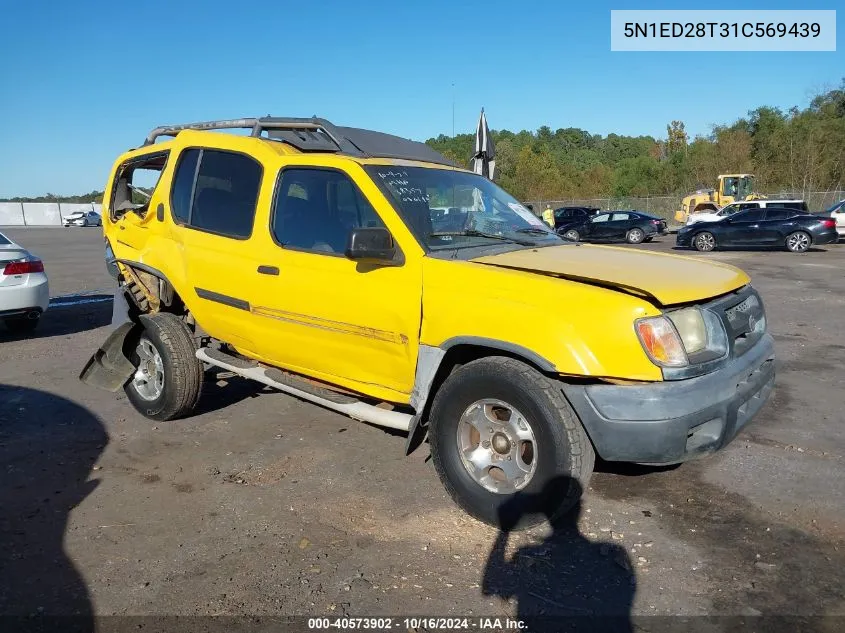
{"points": [[667, 279]]}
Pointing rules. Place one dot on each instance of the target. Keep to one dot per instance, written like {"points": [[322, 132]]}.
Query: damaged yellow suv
{"points": [[367, 274]]}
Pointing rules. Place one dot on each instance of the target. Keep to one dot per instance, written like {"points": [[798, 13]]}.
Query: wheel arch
{"points": [[436, 364]]}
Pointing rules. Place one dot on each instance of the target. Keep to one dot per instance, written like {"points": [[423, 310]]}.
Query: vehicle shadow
{"points": [[61, 320], [222, 389], [48, 446], [628, 469], [746, 249], [565, 582]]}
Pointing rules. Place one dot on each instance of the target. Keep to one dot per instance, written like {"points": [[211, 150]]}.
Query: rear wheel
{"points": [[704, 241], [21, 324], [635, 236], [798, 242], [572, 235], [507, 446], [168, 376]]}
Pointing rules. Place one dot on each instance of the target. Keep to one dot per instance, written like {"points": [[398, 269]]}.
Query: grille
{"points": [[744, 318]]}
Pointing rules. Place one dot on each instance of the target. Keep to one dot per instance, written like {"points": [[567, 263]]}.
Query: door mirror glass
{"points": [[371, 244]]}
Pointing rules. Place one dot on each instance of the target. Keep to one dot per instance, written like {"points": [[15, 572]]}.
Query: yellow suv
{"points": [[369, 275]]}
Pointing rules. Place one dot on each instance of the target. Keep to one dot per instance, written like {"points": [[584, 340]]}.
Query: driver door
{"points": [[324, 315], [598, 227]]}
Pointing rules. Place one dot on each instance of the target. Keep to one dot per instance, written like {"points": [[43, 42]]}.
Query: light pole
{"points": [[453, 109]]}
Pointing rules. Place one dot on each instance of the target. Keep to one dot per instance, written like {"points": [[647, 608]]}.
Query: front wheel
{"points": [[507, 446], [168, 376], [572, 235], [635, 236], [704, 242], [798, 242]]}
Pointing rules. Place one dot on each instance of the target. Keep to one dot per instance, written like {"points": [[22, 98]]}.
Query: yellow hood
{"points": [[668, 279]]}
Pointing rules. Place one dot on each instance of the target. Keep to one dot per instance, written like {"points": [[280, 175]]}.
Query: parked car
{"points": [[795, 230], [632, 226], [736, 207], [837, 212], [83, 218], [303, 256], [24, 289], [567, 215]]}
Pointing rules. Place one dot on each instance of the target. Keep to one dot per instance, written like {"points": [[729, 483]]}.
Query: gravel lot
{"points": [[262, 504]]}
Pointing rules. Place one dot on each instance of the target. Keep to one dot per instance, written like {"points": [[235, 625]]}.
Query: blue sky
{"points": [[83, 81]]}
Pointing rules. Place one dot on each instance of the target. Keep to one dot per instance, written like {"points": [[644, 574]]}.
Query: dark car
{"points": [[568, 215], [632, 226], [796, 230]]}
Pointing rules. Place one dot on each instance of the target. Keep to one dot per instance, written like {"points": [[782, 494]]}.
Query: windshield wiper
{"points": [[474, 233], [536, 231]]}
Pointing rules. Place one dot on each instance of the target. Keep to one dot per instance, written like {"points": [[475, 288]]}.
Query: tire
{"points": [[798, 242], [561, 454], [704, 242], [572, 235], [635, 236], [169, 389], [20, 326]]}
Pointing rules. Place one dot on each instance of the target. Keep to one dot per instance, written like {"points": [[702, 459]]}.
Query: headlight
{"points": [[683, 337], [690, 326]]}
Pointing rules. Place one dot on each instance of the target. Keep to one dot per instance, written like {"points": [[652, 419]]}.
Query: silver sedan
{"points": [[24, 290]]}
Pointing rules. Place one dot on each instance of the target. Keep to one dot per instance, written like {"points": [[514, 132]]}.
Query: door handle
{"points": [[268, 270]]}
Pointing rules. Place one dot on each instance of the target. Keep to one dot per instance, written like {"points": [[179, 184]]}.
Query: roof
{"points": [[318, 135], [735, 175]]}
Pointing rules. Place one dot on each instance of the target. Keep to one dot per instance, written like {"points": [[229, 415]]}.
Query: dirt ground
{"points": [[263, 505]]}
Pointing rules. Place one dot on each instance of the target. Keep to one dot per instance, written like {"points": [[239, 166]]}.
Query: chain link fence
{"points": [[665, 206]]}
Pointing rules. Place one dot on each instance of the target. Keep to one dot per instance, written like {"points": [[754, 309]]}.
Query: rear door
{"points": [[213, 204], [620, 223], [776, 225]]}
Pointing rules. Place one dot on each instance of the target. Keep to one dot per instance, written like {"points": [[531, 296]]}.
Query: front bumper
{"points": [[673, 421], [33, 294]]}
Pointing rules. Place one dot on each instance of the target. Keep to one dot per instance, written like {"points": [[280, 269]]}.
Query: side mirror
{"points": [[371, 244]]}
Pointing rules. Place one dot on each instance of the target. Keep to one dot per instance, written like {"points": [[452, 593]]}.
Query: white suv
{"points": [[730, 209]]}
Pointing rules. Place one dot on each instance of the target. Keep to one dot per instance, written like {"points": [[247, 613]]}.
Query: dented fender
{"points": [[108, 368]]}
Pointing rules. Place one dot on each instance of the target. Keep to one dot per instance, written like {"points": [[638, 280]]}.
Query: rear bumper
{"points": [[673, 421], [34, 294], [826, 237]]}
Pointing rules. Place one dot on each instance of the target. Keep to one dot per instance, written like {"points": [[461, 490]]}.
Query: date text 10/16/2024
{"points": [[414, 623]]}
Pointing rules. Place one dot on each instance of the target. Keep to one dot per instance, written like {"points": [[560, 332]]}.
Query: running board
{"points": [[348, 406]]}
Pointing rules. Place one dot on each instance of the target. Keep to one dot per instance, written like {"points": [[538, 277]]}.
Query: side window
{"points": [[225, 193], [602, 217], [779, 214], [183, 186], [134, 184], [753, 215], [748, 205], [315, 209], [621, 216]]}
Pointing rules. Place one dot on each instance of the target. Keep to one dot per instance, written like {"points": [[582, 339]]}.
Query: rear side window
{"points": [[621, 216], [3, 240], [780, 214], [183, 186], [216, 191], [753, 215]]}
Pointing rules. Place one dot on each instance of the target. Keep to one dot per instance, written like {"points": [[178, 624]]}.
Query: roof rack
{"points": [[317, 135]]}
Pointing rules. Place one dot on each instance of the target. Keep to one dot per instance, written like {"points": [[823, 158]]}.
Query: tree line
{"points": [[797, 151]]}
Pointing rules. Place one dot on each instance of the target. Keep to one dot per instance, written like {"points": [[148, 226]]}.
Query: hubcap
{"points": [[571, 235], [149, 376], [798, 242], [706, 241], [497, 446], [636, 234]]}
